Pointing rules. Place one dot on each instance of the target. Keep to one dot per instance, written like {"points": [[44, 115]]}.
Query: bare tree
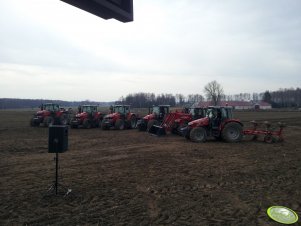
{"points": [[214, 92]]}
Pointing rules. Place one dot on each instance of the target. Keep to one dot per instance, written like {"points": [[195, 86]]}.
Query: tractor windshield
{"points": [[121, 109], [51, 107], [156, 110], [88, 109]]}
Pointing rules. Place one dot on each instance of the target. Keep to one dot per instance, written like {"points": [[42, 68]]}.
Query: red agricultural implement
{"points": [[269, 134], [175, 121]]}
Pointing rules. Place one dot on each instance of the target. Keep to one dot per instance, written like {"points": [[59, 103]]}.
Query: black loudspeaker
{"points": [[58, 139]]}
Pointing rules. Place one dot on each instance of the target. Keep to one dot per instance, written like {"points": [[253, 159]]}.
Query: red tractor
{"points": [[175, 121], [120, 118], [50, 114], [155, 116], [87, 117], [218, 123]]}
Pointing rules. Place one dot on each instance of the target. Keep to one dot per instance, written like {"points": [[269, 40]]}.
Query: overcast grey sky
{"points": [[49, 49]]}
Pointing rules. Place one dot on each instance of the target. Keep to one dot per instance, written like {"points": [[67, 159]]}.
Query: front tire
{"points": [[119, 124], [63, 120], [232, 132], [48, 121], [86, 124], [133, 122], [198, 134], [104, 126]]}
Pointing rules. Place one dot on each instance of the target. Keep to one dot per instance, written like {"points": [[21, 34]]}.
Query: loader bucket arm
{"points": [[165, 125]]}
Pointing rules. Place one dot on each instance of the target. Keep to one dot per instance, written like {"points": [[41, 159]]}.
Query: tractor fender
{"points": [[231, 120]]}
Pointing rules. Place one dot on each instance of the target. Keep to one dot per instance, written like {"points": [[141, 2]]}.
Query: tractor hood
{"points": [[80, 115], [42, 112], [199, 122], [112, 115], [149, 117]]}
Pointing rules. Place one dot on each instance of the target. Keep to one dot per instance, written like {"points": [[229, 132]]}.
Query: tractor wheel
{"points": [[63, 120], [198, 134], [151, 123], [119, 124], [133, 122], [33, 123], [48, 121], [104, 126], [269, 139], [98, 123], [232, 132], [86, 123]]}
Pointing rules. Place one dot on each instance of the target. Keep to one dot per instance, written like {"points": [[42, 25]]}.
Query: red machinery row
{"points": [[196, 124]]}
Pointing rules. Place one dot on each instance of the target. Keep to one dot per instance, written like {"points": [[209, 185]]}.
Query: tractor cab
{"points": [[196, 113], [159, 111], [89, 109], [50, 107], [121, 109], [217, 115]]}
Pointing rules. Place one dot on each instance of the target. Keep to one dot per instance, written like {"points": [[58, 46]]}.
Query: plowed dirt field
{"points": [[132, 178]]}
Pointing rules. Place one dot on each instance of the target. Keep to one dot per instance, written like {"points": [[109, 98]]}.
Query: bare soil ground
{"points": [[132, 178]]}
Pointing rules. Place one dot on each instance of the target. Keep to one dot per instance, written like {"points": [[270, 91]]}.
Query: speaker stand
{"points": [[56, 188]]}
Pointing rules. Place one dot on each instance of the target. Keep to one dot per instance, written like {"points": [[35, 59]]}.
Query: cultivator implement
{"points": [[270, 134]]}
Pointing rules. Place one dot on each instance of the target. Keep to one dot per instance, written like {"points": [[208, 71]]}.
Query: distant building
{"points": [[239, 105]]}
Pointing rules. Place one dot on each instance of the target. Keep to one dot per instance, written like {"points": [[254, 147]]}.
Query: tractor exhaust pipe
{"points": [[157, 130]]}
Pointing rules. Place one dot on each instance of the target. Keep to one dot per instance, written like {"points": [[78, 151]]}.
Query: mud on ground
{"points": [[132, 178]]}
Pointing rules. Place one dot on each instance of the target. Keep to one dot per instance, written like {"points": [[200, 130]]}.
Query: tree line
{"points": [[284, 98], [15, 103]]}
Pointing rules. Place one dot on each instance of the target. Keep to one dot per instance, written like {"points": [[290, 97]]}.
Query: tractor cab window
{"points": [[126, 109], [88, 109], [224, 113], [211, 113], [56, 107], [48, 107], [192, 111], [119, 109], [156, 110]]}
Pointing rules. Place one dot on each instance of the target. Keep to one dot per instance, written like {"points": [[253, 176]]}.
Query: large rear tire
{"points": [[86, 123], [198, 134], [119, 124], [232, 132], [151, 123]]}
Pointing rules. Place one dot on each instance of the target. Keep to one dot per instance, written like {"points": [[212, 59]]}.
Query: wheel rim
{"points": [[233, 133], [199, 135]]}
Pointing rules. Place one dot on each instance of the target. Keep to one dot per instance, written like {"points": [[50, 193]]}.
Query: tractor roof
{"points": [[219, 107], [121, 105], [89, 105]]}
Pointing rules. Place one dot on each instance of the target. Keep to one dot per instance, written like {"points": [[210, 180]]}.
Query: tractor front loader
{"points": [[175, 121]]}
